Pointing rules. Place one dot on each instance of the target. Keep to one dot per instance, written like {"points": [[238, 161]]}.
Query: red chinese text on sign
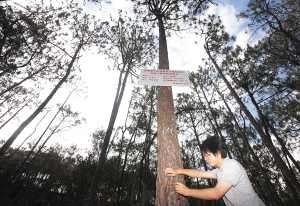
{"points": [[158, 77]]}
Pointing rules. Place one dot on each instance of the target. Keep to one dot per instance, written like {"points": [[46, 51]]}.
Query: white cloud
{"points": [[228, 14], [242, 39], [184, 54]]}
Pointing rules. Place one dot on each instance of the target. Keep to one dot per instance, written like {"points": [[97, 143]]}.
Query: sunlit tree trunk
{"points": [[167, 140]]}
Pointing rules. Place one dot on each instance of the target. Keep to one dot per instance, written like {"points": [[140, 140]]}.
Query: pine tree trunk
{"points": [[199, 144], [289, 177], [219, 132], [119, 95], [113, 118], [123, 168], [9, 142], [254, 156], [266, 123], [167, 140]]}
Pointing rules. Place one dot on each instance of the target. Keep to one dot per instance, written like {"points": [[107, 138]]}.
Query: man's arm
{"points": [[206, 194], [171, 172]]}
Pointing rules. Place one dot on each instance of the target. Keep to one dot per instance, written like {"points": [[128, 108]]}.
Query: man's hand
{"points": [[171, 172], [181, 189]]}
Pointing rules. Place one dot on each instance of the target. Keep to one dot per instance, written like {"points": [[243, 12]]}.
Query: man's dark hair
{"points": [[213, 144]]}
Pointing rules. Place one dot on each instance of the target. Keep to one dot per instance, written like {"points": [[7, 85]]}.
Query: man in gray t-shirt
{"points": [[233, 183], [241, 192]]}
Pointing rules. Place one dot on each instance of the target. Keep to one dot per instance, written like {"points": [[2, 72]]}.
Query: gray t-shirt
{"points": [[241, 193]]}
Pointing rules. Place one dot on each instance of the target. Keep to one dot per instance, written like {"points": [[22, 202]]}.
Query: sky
{"points": [[100, 83], [184, 54]]}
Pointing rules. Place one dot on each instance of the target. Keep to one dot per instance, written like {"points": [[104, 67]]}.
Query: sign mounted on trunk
{"points": [[161, 77]]}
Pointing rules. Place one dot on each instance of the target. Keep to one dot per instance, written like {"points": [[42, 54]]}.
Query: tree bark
{"points": [[167, 140]]}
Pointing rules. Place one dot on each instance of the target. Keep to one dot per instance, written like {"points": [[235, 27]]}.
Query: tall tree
{"points": [[280, 21], [145, 105], [215, 43], [130, 46], [164, 12], [26, 54], [82, 36], [279, 55], [245, 139], [260, 84]]}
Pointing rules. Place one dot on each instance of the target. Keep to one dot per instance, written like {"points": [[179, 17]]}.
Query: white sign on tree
{"points": [[160, 77]]}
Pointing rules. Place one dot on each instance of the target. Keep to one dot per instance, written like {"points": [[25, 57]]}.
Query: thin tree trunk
{"points": [[19, 173], [123, 168], [199, 145], [209, 119], [215, 120], [119, 162], [112, 120], [14, 115], [9, 142], [31, 162], [19, 83], [114, 196], [3, 115], [266, 122], [121, 88], [254, 156], [146, 150], [126, 154], [10, 156], [142, 171], [287, 174]]}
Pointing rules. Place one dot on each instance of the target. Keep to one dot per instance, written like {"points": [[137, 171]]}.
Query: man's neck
{"points": [[220, 162]]}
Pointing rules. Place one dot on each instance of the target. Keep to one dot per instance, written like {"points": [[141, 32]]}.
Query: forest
{"points": [[247, 96]]}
